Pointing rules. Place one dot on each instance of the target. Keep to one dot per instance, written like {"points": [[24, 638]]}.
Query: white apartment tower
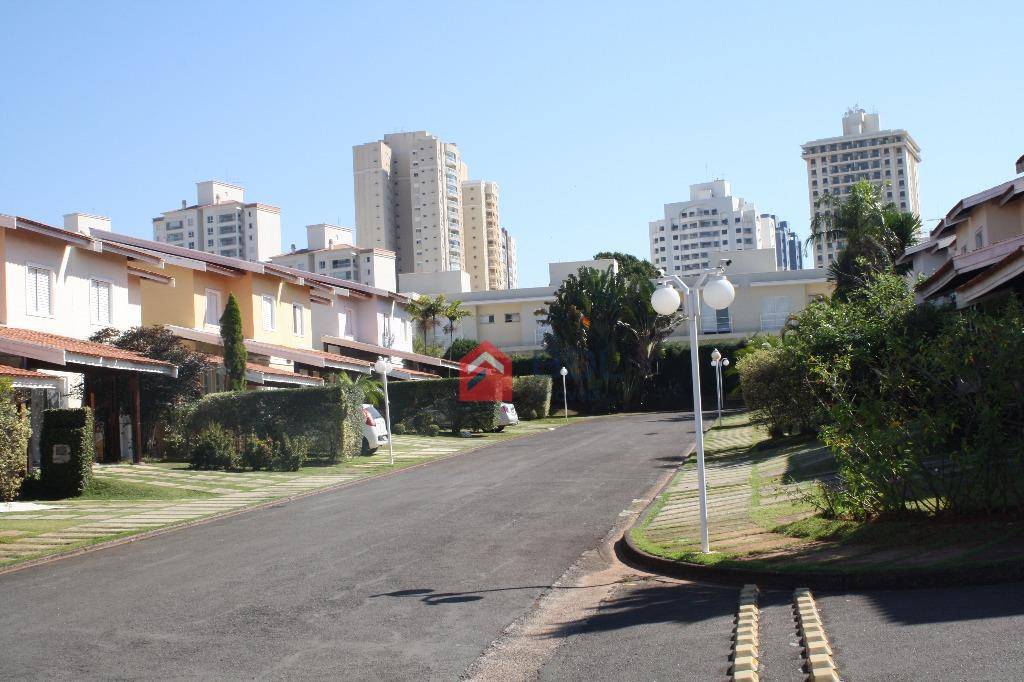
{"points": [[886, 158], [413, 197], [712, 220], [330, 251], [408, 199], [511, 259], [222, 222]]}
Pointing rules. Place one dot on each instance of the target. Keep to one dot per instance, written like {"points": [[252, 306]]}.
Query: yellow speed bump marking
{"points": [[817, 651], [745, 637]]}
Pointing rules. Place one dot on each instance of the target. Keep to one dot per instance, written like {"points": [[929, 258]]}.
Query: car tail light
{"points": [[369, 419], [504, 408]]}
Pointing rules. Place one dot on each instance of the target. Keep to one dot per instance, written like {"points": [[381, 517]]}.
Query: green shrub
{"points": [[459, 348], [257, 453], [289, 452], [214, 448], [70, 433], [431, 430], [774, 384], [437, 400], [532, 396], [399, 429], [14, 435], [330, 416]]}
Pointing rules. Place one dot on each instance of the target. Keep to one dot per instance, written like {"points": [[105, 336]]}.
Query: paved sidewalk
{"points": [[72, 524]]}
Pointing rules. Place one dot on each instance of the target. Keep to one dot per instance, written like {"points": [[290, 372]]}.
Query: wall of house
{"points": [[72, 269], [516, 334], [285, 295]]}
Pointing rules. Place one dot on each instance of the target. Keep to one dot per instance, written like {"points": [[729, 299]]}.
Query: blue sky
{"points": [[590, 115]]}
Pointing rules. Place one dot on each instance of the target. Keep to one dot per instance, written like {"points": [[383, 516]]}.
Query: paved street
{"points": [[408, 576]]}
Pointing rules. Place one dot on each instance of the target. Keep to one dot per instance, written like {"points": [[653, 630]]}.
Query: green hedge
{"points": [[438, 401], [70, 427], [331, 417], [532, 396]]}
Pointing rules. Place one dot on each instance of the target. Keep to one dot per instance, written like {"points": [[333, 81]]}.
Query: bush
{"points": [[290, 452], [214, 448], [532, 396], [14, 435], [431, 430], [437, 401], [257, 453], [331, 417], [775, 387], [459, 348], [399, 429], [70, 432]]}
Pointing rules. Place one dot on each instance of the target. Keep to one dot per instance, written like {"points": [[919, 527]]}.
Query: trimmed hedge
{"points": [[532, 396], [437, 400], [71, 427], [330, 417]]}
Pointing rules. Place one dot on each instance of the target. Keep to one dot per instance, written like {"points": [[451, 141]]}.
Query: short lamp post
{"points": [[718, 294], [718, 362], [565, 396], [382, 367]]}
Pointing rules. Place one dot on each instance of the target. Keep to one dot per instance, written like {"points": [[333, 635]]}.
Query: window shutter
{"points": [[212, 308], [37, 291], [31, 291]]}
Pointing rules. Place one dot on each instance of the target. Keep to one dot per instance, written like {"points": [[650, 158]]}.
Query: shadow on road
{"points": [[941, 605]]}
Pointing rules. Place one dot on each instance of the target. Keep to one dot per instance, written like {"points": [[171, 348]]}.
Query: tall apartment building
{"points": [[330, 251], [413, 197], [789, 252], [886, 158], [511, 259], [222, 222], [712, 220]]}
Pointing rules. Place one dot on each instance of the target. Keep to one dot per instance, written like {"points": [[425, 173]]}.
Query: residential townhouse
{"points": [[58, 286]]}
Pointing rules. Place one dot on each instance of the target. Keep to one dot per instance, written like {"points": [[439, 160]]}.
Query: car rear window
{"points": [[373, 411]]}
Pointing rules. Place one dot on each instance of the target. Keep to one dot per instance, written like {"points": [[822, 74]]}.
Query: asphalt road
{"points": [[409, 576]]}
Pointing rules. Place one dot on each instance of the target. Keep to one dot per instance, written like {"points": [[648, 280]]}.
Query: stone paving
{"points": [[737, 481], [76, 523]]}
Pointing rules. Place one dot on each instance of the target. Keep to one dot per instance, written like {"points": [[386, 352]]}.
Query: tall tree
{"points": [[426, 310], [630, 265], [454, 313], [235, 355], [874, 235]]}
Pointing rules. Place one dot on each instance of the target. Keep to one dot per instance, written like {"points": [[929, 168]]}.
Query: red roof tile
{"points": [[65, 343], [6, 371]]}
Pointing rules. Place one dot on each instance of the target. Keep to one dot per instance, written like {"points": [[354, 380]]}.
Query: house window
{"points": [[298, 326], [487, 319], [99, 302], [38, 291], [269, 321], [212, 307], [979, 238], [511, 317]]}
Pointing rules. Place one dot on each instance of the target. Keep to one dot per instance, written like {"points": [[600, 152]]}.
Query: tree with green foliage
{"points": [[373, 390], [235, 354], [630, 265], [460, 348], [160, 394], [454, 313], [426, 310], [14, 434], [875, 234]]}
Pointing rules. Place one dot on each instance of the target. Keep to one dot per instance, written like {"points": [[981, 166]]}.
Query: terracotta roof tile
{"points": [[6, 371], [98, 350], [265, 369]]}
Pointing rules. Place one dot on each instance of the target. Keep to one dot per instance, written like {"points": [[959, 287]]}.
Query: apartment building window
{"points": [[269, 317], [99, 301], [39, 291], [212, 318], [511, 317], [298, 320], [209, 219]]}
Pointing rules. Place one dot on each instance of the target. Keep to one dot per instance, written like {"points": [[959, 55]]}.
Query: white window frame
{"points": [[206, 309], [93, 317], [511, 318], [486, 319], [298, 320], [271, 324], [30, 305]]}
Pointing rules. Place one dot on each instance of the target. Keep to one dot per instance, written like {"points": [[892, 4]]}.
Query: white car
{"points": [[507, 416], [375, 429]]}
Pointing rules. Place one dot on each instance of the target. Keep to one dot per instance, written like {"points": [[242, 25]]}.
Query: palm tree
{"points": [[425, 310], [454, 313], [373, 392], [874, 234]]}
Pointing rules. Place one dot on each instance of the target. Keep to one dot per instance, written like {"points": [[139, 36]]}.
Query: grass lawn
{"points": [[762, 515]]}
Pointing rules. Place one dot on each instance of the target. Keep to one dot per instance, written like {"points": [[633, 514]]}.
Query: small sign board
{"points": [[61, 453]]}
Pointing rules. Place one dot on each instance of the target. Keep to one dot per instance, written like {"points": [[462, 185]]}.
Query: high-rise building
{"points": [[712, 220], [413, 197], [222, 222], [789, 253], [330, 251], [885, 158], [511, 259]]}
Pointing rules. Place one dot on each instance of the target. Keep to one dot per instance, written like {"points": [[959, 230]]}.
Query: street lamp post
{"points": [[718, 294], [382, 366], [718, 362], [565, 396]]}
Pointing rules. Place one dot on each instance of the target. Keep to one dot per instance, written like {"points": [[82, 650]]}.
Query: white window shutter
{"points": [[31, 291]]}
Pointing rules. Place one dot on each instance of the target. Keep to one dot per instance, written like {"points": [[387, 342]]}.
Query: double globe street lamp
{"points": [[718, 293], [718, 362], [383, 368]]}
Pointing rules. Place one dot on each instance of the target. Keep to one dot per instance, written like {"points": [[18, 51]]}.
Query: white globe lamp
{"points": [[718, 293], [715, 355], [563, 371], [665, 300], [382, 366]]}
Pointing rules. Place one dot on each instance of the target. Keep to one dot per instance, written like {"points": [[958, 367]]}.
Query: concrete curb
{"points": [[171, 528]]}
